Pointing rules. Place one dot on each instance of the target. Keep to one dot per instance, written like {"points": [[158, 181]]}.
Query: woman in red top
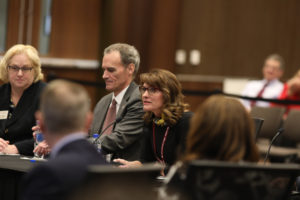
{"points": [[291, 91]]}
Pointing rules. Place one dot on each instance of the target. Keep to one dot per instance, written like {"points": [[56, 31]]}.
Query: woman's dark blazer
{"points": [[174, 144], [17, 129]]}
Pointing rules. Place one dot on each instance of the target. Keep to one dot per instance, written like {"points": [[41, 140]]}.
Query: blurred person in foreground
{"points": [[20, 70], [166, 118], [221, 129], [269, 87], [64, 118]]}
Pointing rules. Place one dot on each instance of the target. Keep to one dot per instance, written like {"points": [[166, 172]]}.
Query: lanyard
{"points": [[162, 144]]}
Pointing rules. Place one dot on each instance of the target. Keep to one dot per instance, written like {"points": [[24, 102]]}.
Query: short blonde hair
{"points": [[32, 55]]}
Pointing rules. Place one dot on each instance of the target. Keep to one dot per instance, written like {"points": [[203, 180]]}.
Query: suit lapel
{"points": [[24, 104], [125, 99], [122, 108], [102, 115]]}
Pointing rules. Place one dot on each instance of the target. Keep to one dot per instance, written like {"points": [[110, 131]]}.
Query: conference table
{"points": [[12, 168]]}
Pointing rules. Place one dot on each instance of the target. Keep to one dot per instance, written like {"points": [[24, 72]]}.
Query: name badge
{"points": [[3, 114]]}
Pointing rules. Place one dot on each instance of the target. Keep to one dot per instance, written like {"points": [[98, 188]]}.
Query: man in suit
{"points": [[64, 119], [122, 139], [270, 87]]}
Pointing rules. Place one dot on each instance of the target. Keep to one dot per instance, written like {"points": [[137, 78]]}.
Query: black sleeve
{"points": [[25, 147], [182, 129], [147, 154]]}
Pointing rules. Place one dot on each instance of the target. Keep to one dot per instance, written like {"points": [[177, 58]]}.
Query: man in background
{"points": [[64, 119], [118, 116], [269, 87]]}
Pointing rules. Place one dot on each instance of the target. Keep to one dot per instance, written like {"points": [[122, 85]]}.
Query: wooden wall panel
{"points": [[127, 21], [88, 75], [12, 23], [36, 23], [14, 10], [150, 26], [164, 35], [75, 29], [235, 36], [195, 100]]}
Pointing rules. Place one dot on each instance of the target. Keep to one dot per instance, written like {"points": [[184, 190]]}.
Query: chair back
{"points": [[272, 120], [108, 182], [242, 181], [292, 126], [258, 122]]}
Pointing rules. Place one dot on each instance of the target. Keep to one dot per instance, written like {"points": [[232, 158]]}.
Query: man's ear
{"points": [[131, 68], [39, 117]]}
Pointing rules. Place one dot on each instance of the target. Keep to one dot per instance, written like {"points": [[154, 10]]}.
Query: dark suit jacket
{"points": [[58, 177], [17, 129], [125, 140], [174, 144]]}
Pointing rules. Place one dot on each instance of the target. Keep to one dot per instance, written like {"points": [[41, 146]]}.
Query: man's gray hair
{"points": [[278, 58], [129, 54], [64, 106]]}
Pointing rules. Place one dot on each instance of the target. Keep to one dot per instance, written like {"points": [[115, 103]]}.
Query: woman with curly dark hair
{"points": [[166, 118]]}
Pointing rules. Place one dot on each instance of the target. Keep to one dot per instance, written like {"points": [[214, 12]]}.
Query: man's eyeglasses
{"points": [[16, 69], [151, 90]]}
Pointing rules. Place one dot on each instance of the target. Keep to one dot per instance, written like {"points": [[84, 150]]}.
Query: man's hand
{"points": [[3, 144], [35, 129], [11, 149], [42, 148], [127, 164]]}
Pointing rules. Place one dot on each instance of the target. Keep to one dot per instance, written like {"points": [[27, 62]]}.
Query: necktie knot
{"points": [[260, 93], [114, 102]]}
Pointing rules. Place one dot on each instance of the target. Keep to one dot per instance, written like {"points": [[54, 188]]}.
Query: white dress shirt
{"points": [[119, 98], [272, 91]]}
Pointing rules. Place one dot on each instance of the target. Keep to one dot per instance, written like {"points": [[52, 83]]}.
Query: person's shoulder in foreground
{"points": [[64, 119], [56, 178]]}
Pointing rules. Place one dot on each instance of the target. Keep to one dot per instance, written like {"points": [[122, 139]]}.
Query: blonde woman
{"points": [[20, 70]]}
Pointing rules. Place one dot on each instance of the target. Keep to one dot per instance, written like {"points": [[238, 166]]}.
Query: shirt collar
{"points": [[66, 140], [270, 82], [120, 96]]}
